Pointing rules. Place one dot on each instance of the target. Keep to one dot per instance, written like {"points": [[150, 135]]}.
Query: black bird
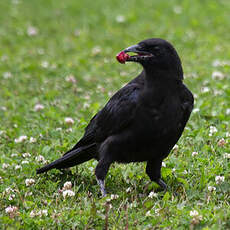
{"points": [[142, 121]]}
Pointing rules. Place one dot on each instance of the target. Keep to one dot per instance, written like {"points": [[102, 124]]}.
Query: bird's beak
{"points": [[140, 56], [134, 49]]}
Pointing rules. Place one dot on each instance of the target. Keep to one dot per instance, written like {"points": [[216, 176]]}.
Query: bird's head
{"points": [[155, 55]]}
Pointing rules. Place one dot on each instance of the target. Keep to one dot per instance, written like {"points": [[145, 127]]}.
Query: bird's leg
{"points": [[100, 172], [153, 170], [101, 183]]}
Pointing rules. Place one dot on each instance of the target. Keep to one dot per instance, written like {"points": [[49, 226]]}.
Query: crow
{"points": [[142, 121]]}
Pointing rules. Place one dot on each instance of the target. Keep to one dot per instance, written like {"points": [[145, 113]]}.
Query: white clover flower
{"points": [[205, 89], [26, 155], [194, 153], [152, 194], [33, 213], [163, 164], [29, 182], [25, 162], [196, 218], [69, 130], [67, 185], [59, 129], [40, 213], [185, 172], [212, 129], [11, 197], [71, 78], [221, 142], [96, 50], [1, 132], [217, 63], [11, 209], [3, 108], [67, 193], [194, 213], [28, 194], [120, 18], [219, 179], [157, 212], [14, 155], [5, 165], [227, 111], [45, 64], [217, 92], [32, 140], [173, 169], [32, 31], [69, 121], [211, 188], [86, 105], [148, 213], [43, 212], [38, 107], [8, 190], [114, 196], [227, 155], [20, 139], [218, 75], [100, 88], [91, 169], [17, 167], [128, 190], [7, 75], [40, 158], [133, 204]]}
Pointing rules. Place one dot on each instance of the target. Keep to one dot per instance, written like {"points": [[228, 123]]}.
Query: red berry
{"points": [[122, 57]]}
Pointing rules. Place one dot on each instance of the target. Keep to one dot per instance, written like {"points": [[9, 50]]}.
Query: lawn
{"points": [[57, 61]]}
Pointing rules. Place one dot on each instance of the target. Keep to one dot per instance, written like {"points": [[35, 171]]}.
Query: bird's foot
{"points": [[102, 187], [162, 184]]}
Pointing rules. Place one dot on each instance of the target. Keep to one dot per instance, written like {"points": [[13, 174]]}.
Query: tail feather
{"points": [[73, 158]]}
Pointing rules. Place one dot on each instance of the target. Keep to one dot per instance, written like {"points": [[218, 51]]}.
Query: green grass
{"points": [[33, 70]]}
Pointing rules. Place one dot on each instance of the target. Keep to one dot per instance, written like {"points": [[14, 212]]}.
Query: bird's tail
{"points": [[75, 157]]}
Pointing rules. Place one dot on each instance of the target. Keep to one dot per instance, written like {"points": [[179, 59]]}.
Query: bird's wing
{"points": [[117, 113]]}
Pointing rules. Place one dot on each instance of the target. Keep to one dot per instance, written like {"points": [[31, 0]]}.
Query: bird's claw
{"points": [[162, 184]]}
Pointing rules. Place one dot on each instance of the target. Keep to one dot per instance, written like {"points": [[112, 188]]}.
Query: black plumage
{"points": [[142, 121]]}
